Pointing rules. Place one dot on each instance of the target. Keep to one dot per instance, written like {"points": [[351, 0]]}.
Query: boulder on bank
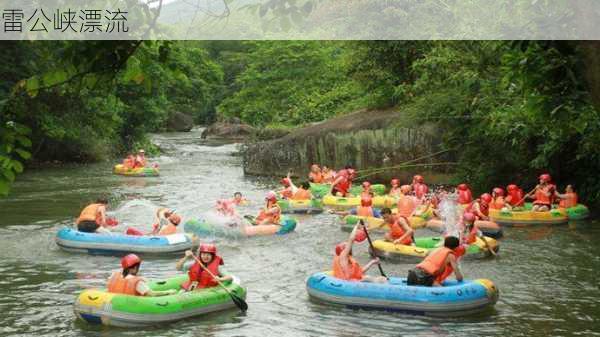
{"points": [[180, 122], [367, 139], [228, 130]]}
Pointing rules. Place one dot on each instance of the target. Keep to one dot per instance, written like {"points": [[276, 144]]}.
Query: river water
{"points": [[547, 275]]}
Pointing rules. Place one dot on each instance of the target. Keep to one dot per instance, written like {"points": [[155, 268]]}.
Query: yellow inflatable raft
{"points": [[137, 172], [423, 245], [349, 202], [528, 217], [372, 223]]}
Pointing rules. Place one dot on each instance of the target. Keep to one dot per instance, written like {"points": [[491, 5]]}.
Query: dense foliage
{"points": [[514, 109]]}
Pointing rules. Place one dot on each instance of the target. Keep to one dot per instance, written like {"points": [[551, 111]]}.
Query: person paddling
{"points": [[419, 187], [400, 231], [481, 207], [515, 196], [166, 222], [345, 267], [498, 201], [93, 218], [198, 278], [437, 266], [328, 175], [543, 194], [129, 283]]}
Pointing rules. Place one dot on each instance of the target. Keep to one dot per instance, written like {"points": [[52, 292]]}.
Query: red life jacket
{"points": [[354, 273], [396, 232], [541, 197], [196, 273], [515, 197], [569, 201], [344, 185]]}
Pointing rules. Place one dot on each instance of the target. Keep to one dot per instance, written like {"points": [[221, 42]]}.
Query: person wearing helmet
{"points": [[289, 189], [129, 283], [140, 159], [543, 194], [165, 222], [303, 192], [470, 229], [315, 175], [419, 187], [515, 196], [437, 265], [400, 232], [498, 201], [366, 190], [395, 188], [271, 213], [93, 218], [406, 204], [465, 196], [198, 278], [343, 182], [345, 267], [129, 162], [568, 199], [481, 207], [366, 208]]}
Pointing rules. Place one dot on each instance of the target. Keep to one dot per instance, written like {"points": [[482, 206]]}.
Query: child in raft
{"points": [[345, 267], [498, 201], [419, 187], [93, 218], [239, 200], [328, 175], [198, 277], [515, 196], [343, 182], [481, 207], [140, 159], [271, 213], [303, 192], [400, 232], [289, 189], [129, 283], [437, 265], [543, 194], [315, 175], [365, 209], [165, 222], [568, 199]]}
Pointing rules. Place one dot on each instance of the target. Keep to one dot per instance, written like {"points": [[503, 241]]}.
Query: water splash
{"points": [[450, 213]]}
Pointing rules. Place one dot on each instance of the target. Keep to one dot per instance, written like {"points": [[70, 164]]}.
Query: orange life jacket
{"points": [[541, 197], [197, 274], [139, 162], [406, 205], [271, 212], [364, 211], [316, 178], [435, 263], [471, 237], [123, 285], [569, 201], [497, 203], [90, 213], [420, 190], [128, 162], [168, 229], [301, 194], [354, 272], [396, 232]]}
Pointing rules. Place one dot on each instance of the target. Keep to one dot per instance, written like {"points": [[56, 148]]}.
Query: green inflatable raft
{"points": [[301, 206], [96, 306], [577, 212], [321, 190]]}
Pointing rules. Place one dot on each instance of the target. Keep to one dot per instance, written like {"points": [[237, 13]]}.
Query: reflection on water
{"points": [[546, 275]]}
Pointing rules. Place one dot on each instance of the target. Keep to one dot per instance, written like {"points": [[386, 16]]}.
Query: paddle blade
{"points": [[239, 302]]}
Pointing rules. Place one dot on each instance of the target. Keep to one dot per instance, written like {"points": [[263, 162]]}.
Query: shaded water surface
{"points": [[547, 276]]}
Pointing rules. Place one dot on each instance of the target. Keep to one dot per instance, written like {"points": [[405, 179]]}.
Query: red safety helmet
{"points": [[361, 235], [418, 178], [207, 248], [486, 197], [463, 187], [174, 218], [498, 191], [366, 184], [469, 217], [512, 187], [339, 248], [285, 182], [545, 177], [366, 201], [272, 196], [130, 260], [395, 182]]}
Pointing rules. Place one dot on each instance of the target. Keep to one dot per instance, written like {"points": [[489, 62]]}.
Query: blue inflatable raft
{"points": [[453, 299], [73, 240]]}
